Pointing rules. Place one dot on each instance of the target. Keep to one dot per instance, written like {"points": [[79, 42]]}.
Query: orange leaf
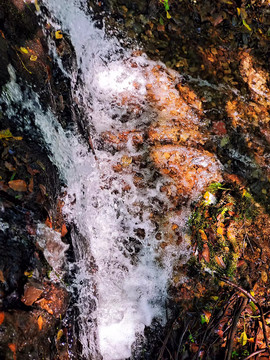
{"points": [[17, 185], [203, 235], [206, 253], [2, 317], [40, 322], [64, 230], [220, 262], [13, 349], [59, 334], [48, 222], [220, 230]]}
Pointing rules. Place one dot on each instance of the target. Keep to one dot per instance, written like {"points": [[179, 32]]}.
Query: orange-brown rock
{"points": [[54, 300], [32, 292]]}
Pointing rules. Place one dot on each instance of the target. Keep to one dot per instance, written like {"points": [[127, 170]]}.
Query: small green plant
{"points": [[166, 7]]}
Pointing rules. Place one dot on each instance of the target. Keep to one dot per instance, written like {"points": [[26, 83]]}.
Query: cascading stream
{"points": [[116, 199], [127, 287]]}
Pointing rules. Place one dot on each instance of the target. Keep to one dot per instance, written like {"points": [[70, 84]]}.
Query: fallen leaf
{"points": [[33, 58], [31, 185], [45, 305], [220, 230], [2, 317], [243, 338], [246, 25], [64, 230], [220, 262], [13, 349], [9, 166], [206, 253], [58, 34], [18, 185], [2, 279], [264, 276], [207, 315], [23, 50], [40, 322], [59, 334], [6, 134], [203, 235], [48, 222], [29, 274], [37, 6], [126, 160]]}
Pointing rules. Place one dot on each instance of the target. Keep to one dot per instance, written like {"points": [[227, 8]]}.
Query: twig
{"points": [[256, 353], [229, 345], [219, 317], [164, 345], [255, 302], [181, 339]]}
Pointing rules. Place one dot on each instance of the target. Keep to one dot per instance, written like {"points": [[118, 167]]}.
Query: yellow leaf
{"points": [[40, 322], [23, 50], [208, 197], [6, 134], [243, 338], [59, 334], [33, 58], [220, 230], [246, 25], [58, 34], [238, 11], [126, 160], [168, 15], [29, 274], [37, 6]]}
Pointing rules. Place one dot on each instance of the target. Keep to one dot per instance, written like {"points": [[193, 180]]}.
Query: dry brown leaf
{"points": [[31, 185], [220, 262], [206, 253], [2, 278], [264, 276], [18, 185]]}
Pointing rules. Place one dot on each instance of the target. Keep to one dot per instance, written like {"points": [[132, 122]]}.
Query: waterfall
{"points": [[113, 197], [121, 285]]}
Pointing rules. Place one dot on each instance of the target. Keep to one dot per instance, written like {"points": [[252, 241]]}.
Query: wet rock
{"points": [[4, 75], [32, 292], [54, 300]]}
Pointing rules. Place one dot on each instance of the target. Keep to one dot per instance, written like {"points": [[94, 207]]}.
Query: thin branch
{"points": [[255, 302], [229, 345], [256, 353]]}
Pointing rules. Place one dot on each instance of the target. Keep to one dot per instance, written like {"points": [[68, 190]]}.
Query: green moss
{"points": [[209, 225]]}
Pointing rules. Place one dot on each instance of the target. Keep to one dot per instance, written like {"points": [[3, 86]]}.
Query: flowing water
{"points": [[122, 274]]}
